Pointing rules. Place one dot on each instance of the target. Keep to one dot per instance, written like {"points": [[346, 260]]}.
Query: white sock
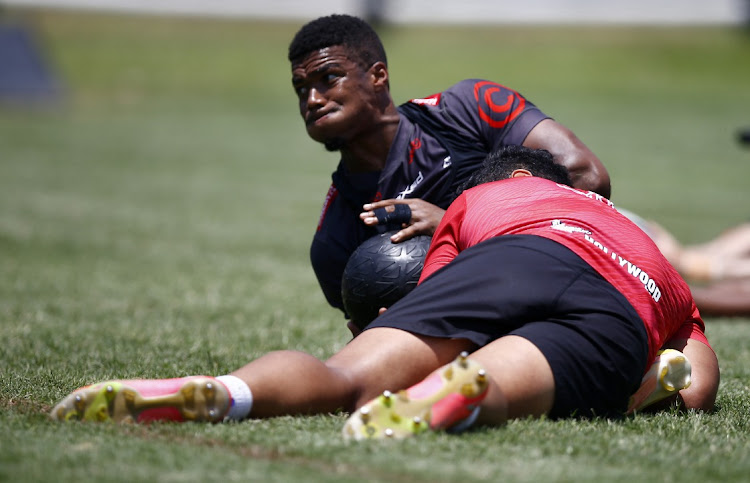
{"points": [[242, 398]]}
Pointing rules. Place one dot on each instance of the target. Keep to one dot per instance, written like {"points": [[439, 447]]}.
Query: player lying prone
{"points": [[516, 314]]}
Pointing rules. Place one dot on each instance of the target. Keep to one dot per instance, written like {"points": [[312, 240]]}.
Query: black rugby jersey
{"points": [[441, 140]]}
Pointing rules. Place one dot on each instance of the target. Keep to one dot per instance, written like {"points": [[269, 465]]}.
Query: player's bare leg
{"points": [[378, 359], [520, 380], [448, 398], [725, 257], [728, 298], [509, 378], [283, 382]]}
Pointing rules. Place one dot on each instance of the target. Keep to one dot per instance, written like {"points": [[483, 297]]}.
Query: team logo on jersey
{"points": [[414, 144], [560, 225], [432, 100], [497, 104], [447, 162]]}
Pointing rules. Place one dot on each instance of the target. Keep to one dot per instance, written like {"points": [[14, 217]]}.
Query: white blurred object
{"points": [[641, 222], [669, 12]]}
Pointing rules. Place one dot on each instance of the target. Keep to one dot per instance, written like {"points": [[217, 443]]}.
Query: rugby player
{"points": [[546, 299], [400, 166]]}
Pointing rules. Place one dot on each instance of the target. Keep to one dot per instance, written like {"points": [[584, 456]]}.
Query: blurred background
{"points": [[151, 151], [435, 11], [158, 195]]}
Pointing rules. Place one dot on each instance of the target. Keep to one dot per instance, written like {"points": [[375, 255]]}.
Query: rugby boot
{"points": [[669, 373], [448, 398], [195, 398]]}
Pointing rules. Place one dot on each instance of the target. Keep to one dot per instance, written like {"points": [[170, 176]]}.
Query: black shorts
{"points": [[533, 287]]}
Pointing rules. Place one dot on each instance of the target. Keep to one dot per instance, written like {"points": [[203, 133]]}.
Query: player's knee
{"points": [[494, 409]]}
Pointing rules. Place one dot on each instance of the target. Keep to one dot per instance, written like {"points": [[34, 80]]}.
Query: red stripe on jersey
{"points": [[330, 196]]}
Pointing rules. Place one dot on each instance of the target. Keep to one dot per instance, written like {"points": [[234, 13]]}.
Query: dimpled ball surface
{"points": [[379, 273]]}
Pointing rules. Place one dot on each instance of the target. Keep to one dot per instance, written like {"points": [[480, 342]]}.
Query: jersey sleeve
{"points": [[500, 115], [445, 242], [693, 328]]}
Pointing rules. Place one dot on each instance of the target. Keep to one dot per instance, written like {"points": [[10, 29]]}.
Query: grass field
{"points": [[156, 224]]}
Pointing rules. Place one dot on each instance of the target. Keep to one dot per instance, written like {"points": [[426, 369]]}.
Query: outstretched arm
{"points": [[586, 170], [701, 394], [704, 380], [727, 298]]}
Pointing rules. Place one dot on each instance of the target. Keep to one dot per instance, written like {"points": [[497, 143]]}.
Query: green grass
{"points": [[157, 222]]}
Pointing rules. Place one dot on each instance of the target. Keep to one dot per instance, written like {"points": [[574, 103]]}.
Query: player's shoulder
{"points": [[497, 104], [479, 87], [467, 88], [461, 90]]}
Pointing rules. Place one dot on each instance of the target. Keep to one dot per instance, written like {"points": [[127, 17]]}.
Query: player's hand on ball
{"points": [[421, 217]]}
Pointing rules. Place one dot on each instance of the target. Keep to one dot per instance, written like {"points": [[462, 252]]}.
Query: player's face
{"points": [[335, 94]]}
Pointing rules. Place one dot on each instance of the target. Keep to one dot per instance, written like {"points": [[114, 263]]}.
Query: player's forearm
{"points": [[701, 394], [590, 175], [586, 170]]}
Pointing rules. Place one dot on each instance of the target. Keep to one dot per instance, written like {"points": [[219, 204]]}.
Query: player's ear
{"points": [[379, 73], [519, 173]]}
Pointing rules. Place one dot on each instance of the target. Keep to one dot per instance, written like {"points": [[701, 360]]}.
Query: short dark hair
{"points": [[500, 164], [361, 40]]}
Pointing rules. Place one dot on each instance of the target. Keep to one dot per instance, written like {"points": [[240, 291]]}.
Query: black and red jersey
{"points": [[441, 140]]}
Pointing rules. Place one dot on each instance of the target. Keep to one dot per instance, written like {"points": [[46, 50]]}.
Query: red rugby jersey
{"points": [[589, 225]]}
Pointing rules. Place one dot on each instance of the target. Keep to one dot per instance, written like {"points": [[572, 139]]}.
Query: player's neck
{"points": [[369, 151]]}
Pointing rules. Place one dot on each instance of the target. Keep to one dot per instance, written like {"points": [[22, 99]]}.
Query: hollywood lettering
{"points": [[648, 283]]}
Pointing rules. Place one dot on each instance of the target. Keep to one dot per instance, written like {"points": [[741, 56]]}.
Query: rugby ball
{"points": [[379, 273]]}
